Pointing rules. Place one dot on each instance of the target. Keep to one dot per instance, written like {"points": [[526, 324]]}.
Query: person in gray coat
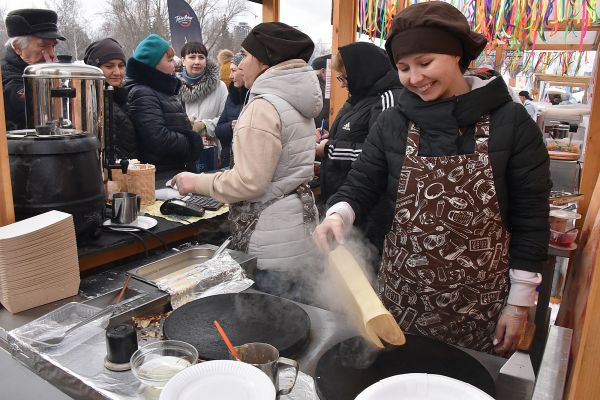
{"points": [[272, 210]]}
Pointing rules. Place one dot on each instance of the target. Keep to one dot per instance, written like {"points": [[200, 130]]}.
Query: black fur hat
{"points": [[33, 22]]}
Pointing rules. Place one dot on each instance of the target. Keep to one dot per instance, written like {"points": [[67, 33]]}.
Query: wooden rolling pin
{"points": [[373, 320]]}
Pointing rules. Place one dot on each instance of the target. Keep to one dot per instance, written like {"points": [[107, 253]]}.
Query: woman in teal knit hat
{"points": [[164, 133]]}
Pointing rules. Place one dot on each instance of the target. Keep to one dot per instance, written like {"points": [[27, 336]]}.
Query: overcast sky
{"points": [[311, 16]]}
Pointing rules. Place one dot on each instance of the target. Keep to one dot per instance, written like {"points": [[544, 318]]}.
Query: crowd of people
{"points": [[444, 173]]}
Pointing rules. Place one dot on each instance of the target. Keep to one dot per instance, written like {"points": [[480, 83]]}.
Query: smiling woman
{"points": [[432, 76], [464, 173]]}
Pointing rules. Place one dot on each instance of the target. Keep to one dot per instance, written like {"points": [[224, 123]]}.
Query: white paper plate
{"points": [[422, 387], [141, 222], [219, 379]]}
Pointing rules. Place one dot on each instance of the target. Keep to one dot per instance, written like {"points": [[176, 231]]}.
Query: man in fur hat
{"points": [[33, 35]]}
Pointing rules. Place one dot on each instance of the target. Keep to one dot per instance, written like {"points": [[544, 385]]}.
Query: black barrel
{"points": [[59, 172]]}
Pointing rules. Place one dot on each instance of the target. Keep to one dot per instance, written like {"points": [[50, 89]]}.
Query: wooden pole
{"points": [[583, 382], [270, 10], [7, 211], [344, 32], [499, 56], [591, 164], [581, 301]]}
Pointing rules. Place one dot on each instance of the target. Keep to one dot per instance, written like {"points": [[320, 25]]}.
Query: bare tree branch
{"points": [[129, 21], [72, 25]]}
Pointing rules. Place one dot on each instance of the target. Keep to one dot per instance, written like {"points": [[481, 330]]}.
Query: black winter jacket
{"points": [[323, 117], [14, 90], [517, 153], [224, 131], [123, 136], [164, 134], [350, 129], [373, 87]]}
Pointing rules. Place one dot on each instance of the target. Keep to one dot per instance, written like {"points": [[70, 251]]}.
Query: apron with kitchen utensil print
{"points": [[444, 271]]}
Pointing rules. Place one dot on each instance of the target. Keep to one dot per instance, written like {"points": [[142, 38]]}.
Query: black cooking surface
{"points": [[343, 371], [245, 317]]}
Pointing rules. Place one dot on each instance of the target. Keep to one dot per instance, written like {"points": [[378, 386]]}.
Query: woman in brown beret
{"points": [[465, 173]]}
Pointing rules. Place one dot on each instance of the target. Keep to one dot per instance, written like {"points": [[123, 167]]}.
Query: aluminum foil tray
{"points": [[186, 260]]}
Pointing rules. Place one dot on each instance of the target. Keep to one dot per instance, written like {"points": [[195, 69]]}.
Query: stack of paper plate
{"points": [[38, 261]]}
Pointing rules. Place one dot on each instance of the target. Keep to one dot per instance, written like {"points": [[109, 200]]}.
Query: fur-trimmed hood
{"points": [[208, 84]]}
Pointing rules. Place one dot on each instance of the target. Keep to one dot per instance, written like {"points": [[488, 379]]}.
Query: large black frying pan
{"points": [[245, 317], [340, 374]]}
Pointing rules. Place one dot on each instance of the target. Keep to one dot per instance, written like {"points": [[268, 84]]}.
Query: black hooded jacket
{"points": [[13, 67], [374, 86], [123, 136], [164, 134], [517, 153], [224, 130]]}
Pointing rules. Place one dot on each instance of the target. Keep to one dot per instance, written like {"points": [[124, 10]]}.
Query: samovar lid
{"points": [[63, 70]]}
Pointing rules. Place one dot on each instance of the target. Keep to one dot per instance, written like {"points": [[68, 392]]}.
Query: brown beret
{"points": [[433, 27]]}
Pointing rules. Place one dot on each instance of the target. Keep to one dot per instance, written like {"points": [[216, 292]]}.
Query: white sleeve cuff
{"points": [[522, 287], [344, 210]]}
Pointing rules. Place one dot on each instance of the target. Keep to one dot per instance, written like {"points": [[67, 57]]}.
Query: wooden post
{"points": [[499, 56], [584, 275], [270, 10], [581, 301], [344, 32], [591, 164], [7, 211]]}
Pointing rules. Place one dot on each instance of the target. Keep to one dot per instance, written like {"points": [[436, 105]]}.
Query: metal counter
{"points": [[78, 372]]}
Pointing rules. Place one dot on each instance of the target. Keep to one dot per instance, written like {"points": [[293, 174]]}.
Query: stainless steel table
{"points": [[78, 372]]}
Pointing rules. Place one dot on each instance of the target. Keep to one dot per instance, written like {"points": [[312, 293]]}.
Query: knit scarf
{"points": [[192, 80]]}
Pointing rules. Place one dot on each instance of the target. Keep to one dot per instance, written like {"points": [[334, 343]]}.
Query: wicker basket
{"points": [[140, 181]]}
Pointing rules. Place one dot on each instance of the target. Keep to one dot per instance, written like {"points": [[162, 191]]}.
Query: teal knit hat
{"points": [[150, 50]]}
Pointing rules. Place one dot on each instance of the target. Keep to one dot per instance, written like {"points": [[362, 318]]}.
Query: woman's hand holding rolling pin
{"points": [[329, 233]]}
